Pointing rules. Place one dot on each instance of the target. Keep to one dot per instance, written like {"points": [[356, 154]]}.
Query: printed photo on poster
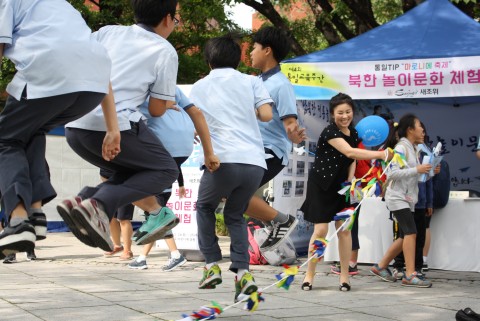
{"points": [[287, 188], [300, 169], [288, 170], [299, 188]]}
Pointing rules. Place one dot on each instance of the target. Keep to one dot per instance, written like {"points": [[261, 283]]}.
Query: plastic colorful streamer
{"points": [[253, 301], [287, 276]]}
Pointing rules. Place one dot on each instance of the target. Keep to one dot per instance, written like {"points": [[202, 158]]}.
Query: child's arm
{"points": [[295, 135], [158, 107], [211, 160], [264, 112], [111, 142], [351, 171]]}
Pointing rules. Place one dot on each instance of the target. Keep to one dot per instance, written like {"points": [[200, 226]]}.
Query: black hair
{"points": [[406, 122], [392, 139], [223, 52], [152, 12], [339, 99], [276, 39]]}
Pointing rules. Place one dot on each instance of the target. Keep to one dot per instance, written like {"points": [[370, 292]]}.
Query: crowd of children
{"points": [[124, 114]]}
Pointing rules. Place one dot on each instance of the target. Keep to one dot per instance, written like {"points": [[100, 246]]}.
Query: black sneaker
{"points": [[18, 238], [11, 258], [39, 222], [278, 233], [31, 255], [425, 267]]}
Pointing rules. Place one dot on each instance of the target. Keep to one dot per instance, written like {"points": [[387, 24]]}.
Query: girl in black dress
{"points": [[334, 164]]}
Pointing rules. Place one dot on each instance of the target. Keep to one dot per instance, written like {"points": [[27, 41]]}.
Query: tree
{"points": [[329, 22]]}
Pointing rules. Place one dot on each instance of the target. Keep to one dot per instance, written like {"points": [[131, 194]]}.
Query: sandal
{"points": [[126, 256], [344, 287], [116, 250], [307, 286]]}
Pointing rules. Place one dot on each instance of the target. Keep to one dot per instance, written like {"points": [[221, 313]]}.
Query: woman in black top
{"points": [[334, 164]]}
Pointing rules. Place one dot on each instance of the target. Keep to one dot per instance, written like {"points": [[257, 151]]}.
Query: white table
{"points": [[455, 232]]}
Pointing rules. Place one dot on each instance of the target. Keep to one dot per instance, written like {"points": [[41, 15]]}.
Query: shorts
{"points": [[406, 223], [274, 166]]}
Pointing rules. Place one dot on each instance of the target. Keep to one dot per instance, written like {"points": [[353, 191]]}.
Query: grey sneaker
{"points": [[174, 263], [11, 258], [416, 281], [278, 233], [398, 273], [65, 209], [90, 216], [142, 265], [383, 274]]}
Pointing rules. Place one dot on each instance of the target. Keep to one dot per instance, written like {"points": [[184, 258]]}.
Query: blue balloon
{"points": [[373, 130]]}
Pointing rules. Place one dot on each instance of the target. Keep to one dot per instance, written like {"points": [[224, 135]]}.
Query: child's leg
{"points": [[247, 178], [209, 195]]}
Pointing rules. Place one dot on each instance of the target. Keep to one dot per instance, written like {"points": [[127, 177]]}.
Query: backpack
{"points": [[283, 254], [441, 186], [256, 257]]}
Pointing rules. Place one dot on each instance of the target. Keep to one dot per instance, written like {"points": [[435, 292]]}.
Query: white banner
{"points": [[388, 79]]}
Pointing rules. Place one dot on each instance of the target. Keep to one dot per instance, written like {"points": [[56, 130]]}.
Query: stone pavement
{"points": [[71, 281]]}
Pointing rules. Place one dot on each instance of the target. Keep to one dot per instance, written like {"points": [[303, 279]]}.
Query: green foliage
{"points": [[220, 227], [386, 10], [7, 71]]}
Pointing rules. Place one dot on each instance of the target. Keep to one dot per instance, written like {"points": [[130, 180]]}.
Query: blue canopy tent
{"points": [[426, 61]]}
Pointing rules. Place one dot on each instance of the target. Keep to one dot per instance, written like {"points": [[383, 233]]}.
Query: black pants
{"points": [[237, 183], [420, 224], [23, 125], [143, 168]]}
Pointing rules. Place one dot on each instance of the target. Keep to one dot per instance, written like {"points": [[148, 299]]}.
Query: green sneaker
{"points": [[244, 287], [211, 277], [156, 226]]}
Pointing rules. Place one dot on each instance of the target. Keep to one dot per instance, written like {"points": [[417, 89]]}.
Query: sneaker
{"points": [[336, 269], [416, 281], [398, 273], [142, 265], [65, 209], [31, 255], [384, 274], [421, 275], [211, 277], [244, 287], [18, 238], [425, 267], [174, 263], [278, 233], [11, 258], [92, 218], [39, 222], [156, 226]]}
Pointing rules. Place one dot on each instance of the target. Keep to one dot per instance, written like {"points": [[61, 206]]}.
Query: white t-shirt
{"points": [[228, 100], [52, 48], [143, 64]]}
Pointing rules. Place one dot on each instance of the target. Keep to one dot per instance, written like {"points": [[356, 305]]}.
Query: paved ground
{"points": [[71, 281]]}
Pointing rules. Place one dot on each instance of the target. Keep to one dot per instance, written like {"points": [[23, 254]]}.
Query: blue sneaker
{"points": [[156, 226], [383, 274], [416, 281]]}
